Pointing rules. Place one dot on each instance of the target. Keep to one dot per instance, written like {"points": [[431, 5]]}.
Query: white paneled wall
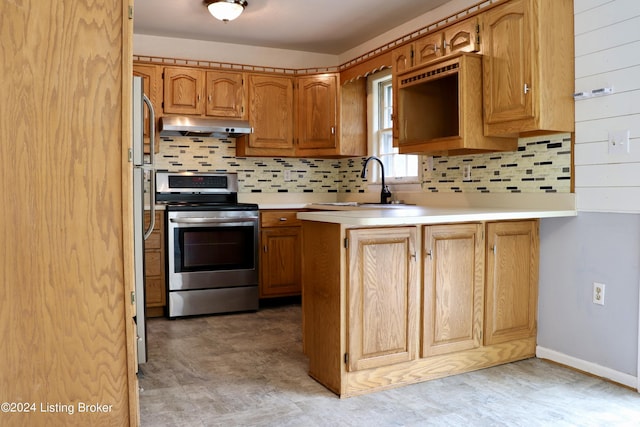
{"points": [[607, 48]]}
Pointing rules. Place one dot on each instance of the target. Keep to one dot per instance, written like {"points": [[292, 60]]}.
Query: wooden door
{"points": [[427, 48], [67, 330], [382, 297], [183, 89], [512, 281], [317, 112], [281, 261], [453, 288], [507, 63], [152, 87], [225, 94], [271, 115], [462, 37]]}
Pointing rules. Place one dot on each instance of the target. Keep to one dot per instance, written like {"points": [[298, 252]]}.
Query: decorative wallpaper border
{"points": [[541, 164]]}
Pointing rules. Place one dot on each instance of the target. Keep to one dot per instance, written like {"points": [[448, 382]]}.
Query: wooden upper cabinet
{"points": [[508, 77], [453, 288], [511, 281], [152, 87], [427, 48], [225, 95], [270, 115], [183, 89], [439, 109], [382, 297], [331, 120], [402, 58], [462, 37], [528, 67], [317, 112]]}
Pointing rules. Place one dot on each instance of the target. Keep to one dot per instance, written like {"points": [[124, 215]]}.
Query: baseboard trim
{"points": [[588, 367]]}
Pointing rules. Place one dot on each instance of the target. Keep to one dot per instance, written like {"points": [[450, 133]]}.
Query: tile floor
{"points": [[248, 370]]}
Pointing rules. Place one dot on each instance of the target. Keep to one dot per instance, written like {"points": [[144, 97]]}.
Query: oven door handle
{"points": [[213, 220]]}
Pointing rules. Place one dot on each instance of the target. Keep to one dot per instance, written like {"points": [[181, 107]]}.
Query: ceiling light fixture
{"points": [[226, 10]]}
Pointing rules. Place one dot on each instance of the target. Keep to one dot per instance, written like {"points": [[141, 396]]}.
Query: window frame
{"points": [[375, 112]]}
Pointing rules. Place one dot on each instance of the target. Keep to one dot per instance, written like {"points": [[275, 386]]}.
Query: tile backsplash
{"points": [[541, 164]]}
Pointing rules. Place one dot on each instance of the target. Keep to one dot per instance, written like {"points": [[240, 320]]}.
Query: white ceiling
{"points": [[320, 26]]}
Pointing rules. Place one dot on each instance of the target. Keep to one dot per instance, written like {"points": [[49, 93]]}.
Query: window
{"points": [[398, 168]]}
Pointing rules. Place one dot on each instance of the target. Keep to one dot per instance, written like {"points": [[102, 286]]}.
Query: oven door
{"points": [[212, 249]]}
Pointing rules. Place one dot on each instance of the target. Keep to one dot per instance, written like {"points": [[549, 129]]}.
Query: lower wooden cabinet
{"points": [[382, 308], [281, 256], [154, 263], [453, 280], [511, 281], [369, 324]]}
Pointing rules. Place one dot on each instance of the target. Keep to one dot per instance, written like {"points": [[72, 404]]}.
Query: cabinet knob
{"points": [[283, 219]]}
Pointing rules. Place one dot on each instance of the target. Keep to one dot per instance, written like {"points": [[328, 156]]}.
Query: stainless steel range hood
{"points": [[200, 126]]}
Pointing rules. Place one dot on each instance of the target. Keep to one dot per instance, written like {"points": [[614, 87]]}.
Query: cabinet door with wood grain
{"points": [[463, 36], [183, 90], [382, 297], [225, 95], [281, 262], [453, 288], [507, 63], [317, 112], [511, 281], [271, 115]]}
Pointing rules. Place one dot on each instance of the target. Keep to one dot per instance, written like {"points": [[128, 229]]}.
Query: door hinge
{"points": [[133, 297], [130, 12], [346, 243], [346, 358]]}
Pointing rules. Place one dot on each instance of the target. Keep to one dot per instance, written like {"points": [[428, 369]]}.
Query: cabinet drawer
{"points": [[279, 219]]}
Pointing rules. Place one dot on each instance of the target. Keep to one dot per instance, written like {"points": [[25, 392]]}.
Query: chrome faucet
{"points": [[385, 194]]}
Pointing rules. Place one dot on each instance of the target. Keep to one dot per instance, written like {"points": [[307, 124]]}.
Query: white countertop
{"points": [[411, 215]]}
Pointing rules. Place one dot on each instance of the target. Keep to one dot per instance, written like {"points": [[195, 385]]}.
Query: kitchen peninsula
{"points": [[405, 294]]}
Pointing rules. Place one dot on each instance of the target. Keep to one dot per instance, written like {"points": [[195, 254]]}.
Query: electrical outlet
{"points": [[598, 293], [287, 175], [466, 173], [429, 170]]}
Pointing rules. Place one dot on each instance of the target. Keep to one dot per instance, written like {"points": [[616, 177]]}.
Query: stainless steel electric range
{"points": [[212, 244]]}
